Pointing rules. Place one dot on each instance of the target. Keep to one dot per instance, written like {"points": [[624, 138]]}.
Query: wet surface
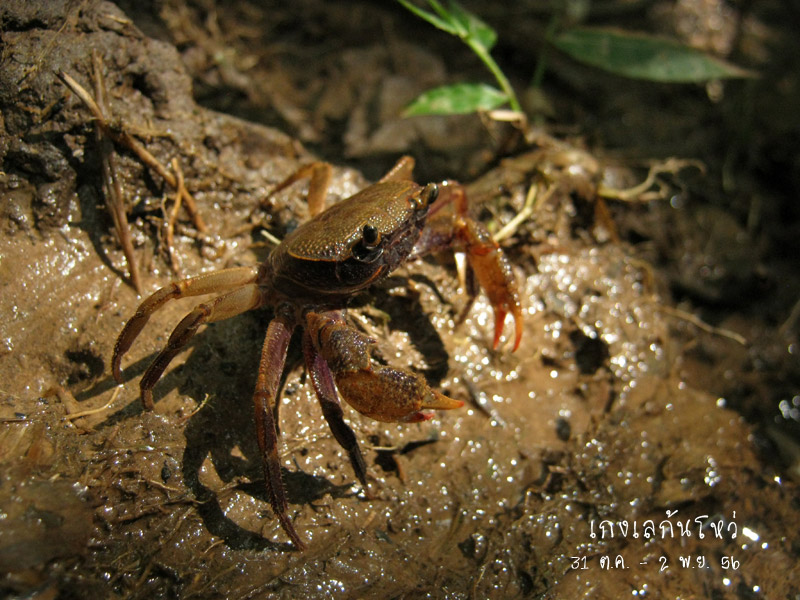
{"points": [[623, 430]]}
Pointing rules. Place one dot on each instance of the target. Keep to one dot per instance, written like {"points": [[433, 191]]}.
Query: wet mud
{"points": [[641, 441]]}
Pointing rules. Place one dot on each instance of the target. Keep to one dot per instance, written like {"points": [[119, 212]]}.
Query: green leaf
{"points": [[470, 26], [642, 56], [431, 18], [457, 21], [476, 34], [459, 99]]}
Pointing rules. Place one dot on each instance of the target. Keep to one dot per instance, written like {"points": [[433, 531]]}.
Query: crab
{"points": [[308, 279]]}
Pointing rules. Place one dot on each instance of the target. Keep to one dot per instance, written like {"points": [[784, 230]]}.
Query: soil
{"points": [[643, 440]]}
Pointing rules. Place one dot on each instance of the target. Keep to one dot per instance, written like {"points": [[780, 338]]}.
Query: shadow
{"points": [[386, 460], [222, 365], [224, 433], [93, 221], [131, 372], [406, 314]]}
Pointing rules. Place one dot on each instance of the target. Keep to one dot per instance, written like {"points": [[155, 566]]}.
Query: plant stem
{"points": [[498, 74]]}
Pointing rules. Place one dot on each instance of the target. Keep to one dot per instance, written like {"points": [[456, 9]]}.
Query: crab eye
{"points": [[370, 236], [430, 193], [367, 249]]}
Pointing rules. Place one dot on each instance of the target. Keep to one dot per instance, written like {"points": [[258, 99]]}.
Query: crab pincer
{"points": [[384, 394]]}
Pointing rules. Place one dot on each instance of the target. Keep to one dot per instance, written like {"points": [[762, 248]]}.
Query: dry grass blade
{"points": [[173, 217], [702, 325], [535, 197], [95, 411], [111, 185]]}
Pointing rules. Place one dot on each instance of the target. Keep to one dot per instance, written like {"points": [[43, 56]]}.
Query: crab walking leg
{"points": [[220, 281], [322, 379], [273, 357], [319, 174], [384, 394], [402, 170], [227, 306]]}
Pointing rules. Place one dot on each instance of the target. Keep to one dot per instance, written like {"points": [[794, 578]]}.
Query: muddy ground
{"points": [[642, 441]]}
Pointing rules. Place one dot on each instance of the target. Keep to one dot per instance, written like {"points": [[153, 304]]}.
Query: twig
{"points": [[70, 20], [270, 237], [123, 138], [173, 217], [700, 324], [111, 185], [200, 406], [94, 411], [533, 200]]}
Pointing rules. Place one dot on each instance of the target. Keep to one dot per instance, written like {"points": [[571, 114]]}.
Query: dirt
{"points": [[641, 441]]}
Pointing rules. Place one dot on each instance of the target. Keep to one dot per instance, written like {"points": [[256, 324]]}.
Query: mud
{"points": [[649, 418]]}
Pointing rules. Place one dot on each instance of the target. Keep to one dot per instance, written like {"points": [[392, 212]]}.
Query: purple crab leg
{"points": [[322, 379], [270, 368]]}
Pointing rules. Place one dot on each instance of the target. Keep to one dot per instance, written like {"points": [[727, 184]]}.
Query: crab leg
{"points": [[320, 175], [231, 304], [487, 263], [494, 274], [207, 283], [273, 357], [322, 379], [384, 394], [401, 171]]}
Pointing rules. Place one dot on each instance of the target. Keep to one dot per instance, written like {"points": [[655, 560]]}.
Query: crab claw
{"points": [[391, 395], [384, 394], [494, 274]]}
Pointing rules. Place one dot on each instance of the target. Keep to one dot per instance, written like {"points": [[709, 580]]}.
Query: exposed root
{"points": [[640, 193]]}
